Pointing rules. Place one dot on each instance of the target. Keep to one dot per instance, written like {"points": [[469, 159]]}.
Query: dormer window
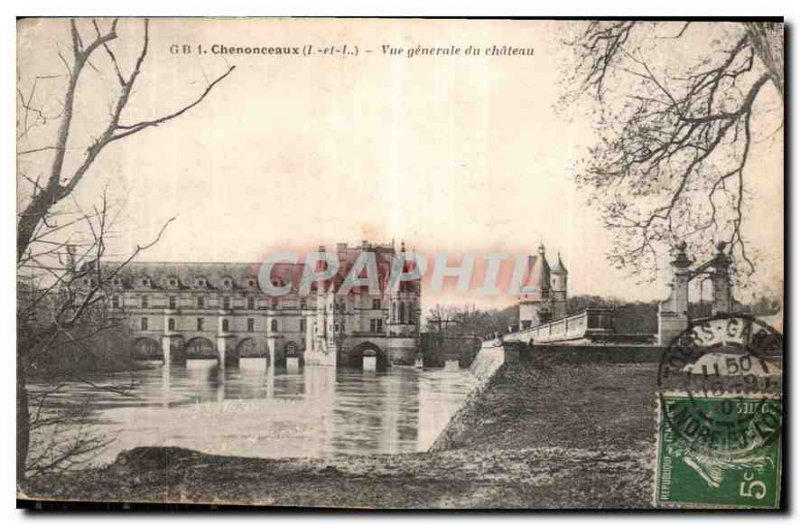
{"points": [[201, 282], [145, 282], [226, 283], [116, 281], [173, 282], [251, 283]]}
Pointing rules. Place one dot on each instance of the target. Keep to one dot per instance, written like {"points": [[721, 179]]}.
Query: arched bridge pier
{"points": [[227, 349]]}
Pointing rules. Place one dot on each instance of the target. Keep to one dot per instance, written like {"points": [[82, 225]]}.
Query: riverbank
{"points": [[562, 429]]}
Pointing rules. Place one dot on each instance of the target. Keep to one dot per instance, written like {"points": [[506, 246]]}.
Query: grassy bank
{"points": [[558, 431]]}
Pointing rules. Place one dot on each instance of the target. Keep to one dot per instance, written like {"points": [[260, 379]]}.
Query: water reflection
{"points": [[258, 410]]}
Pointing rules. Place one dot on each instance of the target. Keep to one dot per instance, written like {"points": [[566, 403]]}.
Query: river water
{"points": [[255, 410]]}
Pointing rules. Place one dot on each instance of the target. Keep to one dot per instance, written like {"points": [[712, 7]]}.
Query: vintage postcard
{"points": [[400, 263]]}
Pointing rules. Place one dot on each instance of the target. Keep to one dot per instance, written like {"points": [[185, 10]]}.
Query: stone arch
{"points": [[147, 348], [368, 349], [248, 347], [292, 349], [200, 347]]}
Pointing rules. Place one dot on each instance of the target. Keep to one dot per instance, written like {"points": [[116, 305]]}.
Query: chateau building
{"points": [[176, 310], [543, 291]]}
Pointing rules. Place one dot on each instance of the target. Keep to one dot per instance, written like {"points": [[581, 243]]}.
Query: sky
{"points": [[450, 154]]}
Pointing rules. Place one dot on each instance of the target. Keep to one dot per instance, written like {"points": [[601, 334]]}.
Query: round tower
{"points": [[535, 298], [558, 285]]}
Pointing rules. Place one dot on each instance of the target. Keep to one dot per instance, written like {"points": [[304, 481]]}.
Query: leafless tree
{"points": [[62, 285], [676, 115], [467, 320]]}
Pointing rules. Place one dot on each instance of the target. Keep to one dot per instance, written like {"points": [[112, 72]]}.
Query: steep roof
{"points": [[559, 268], [225, 275], [538, 275]]}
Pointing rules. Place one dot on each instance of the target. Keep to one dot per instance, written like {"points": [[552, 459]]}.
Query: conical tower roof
{"points": [[559, 268], [538, 271]]}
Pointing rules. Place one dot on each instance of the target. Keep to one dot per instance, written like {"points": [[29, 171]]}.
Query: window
{"points": [[173, 282], [144, 323], [251, 325], [303, 304], [226, 283], [226, 303], [274, 304], [376, 326], [376, 304], [172, 302], [201, 302], [199, 324], [251, 303], [402, 313], [225, 325], [145, 282], [251, 283], [274, 325], [115, 301], [171, 324], [302, 325], [144, 302]]}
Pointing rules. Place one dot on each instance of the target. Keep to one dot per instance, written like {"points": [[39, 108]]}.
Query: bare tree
{"points": [[467, 320], [62, 285], [676, 107]]}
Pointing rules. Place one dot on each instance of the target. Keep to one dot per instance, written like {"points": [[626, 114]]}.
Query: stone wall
{"points": [[592, 398]]}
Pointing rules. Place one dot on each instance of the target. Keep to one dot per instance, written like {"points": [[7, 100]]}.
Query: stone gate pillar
{"points": [[722, 300], [673, 313]]}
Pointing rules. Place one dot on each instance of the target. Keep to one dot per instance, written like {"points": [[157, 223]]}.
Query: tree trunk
{"points": [[23, 420], [768, 42]]}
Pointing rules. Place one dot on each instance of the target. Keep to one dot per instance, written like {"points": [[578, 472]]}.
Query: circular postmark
{"points": [[720, 385]]}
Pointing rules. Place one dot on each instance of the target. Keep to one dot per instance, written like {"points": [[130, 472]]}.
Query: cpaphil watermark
{"points": [[375, 271]]}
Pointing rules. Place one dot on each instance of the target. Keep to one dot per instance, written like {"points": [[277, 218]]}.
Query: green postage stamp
{"points": [[735, 467], [719, 416]]}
